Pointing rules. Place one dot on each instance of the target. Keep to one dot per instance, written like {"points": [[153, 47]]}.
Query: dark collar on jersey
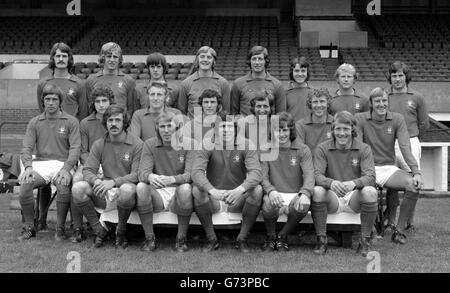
{"points": [[214, 75], [292, 87], [308, 119], [368, 115], [63, 115], [337, 94], [72, 77], [119, 73], [408, 91], [128, 139], [249, 77], [356, 144], [91, 117]]}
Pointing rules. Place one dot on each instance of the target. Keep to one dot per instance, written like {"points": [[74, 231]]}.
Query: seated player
{"points": [[143, 121], [118, 154], [316, 127], [345, 180], [164, 175], [380, 128], [288, 184], [346, 97], [55, 136], [228, 174]]}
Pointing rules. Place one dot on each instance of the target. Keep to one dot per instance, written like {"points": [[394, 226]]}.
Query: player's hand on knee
{"points": [[217, 194], [418, 181], [276, 200], [302, 203], [62, 178], [27, 176], [232, 196], [339, 188]]}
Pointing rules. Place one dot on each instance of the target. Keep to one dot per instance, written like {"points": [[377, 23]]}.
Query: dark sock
{"points": [[88, 210], [44, 202], [391, 205], [406, 208], [146, 216], [28, 213], [319, 214], [62, 208], [368, 217], [183, 225], [77, 215], [204, 214], [270, 221], [249, 214], [124, 215], [293, 218]]}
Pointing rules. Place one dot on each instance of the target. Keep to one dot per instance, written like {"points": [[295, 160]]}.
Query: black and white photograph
{"points": [[224, 144]]}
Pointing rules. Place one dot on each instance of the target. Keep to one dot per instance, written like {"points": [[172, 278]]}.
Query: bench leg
{"points": [[347, 239]]}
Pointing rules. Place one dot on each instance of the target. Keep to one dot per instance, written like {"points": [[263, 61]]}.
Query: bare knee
{"points": [[184, 195], [127, 193], [200, 197], [256, 195], [369, 194], [267, 206], [320, 194], [80, 191]]}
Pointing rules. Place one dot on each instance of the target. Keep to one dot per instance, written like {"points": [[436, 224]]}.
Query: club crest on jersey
{"points": [[71, 92], [357, 106], [328, 134], [389, 130], [294, 161], [126, 157], [236, 158], [181, 158], [62, 130], [355, 162], [411, 104], [120, 84]]}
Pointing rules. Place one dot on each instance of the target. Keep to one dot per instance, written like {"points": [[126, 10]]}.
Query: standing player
{"points": [[298, 89], [164, 175], [121, 84], [205, 78], [412, 106], [257, 80], [346, 98], [55, 135], [157, 67], [91, 129], [288, 182], [118, 153], [345, 180], [143, 123], [380, 128], [75, 102], [227, 174], [316, 127]]}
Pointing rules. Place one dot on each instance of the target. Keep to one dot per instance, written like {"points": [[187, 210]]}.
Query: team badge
{"points": [[355, 162], [62, 130], [357, 105], [71, 92], [410, 103], [389, 130], [328, 134], [126, 156], [120, 84], [294, 161], [181, 158], [236, 158]]}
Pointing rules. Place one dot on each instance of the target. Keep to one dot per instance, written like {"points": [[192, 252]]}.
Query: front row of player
{"points": [[231, 175]]}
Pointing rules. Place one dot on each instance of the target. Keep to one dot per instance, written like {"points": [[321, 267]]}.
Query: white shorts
{"points": [[47, 169], [344, 202], [416, 152], [287, 197], [383, 173], [167, 193]]}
